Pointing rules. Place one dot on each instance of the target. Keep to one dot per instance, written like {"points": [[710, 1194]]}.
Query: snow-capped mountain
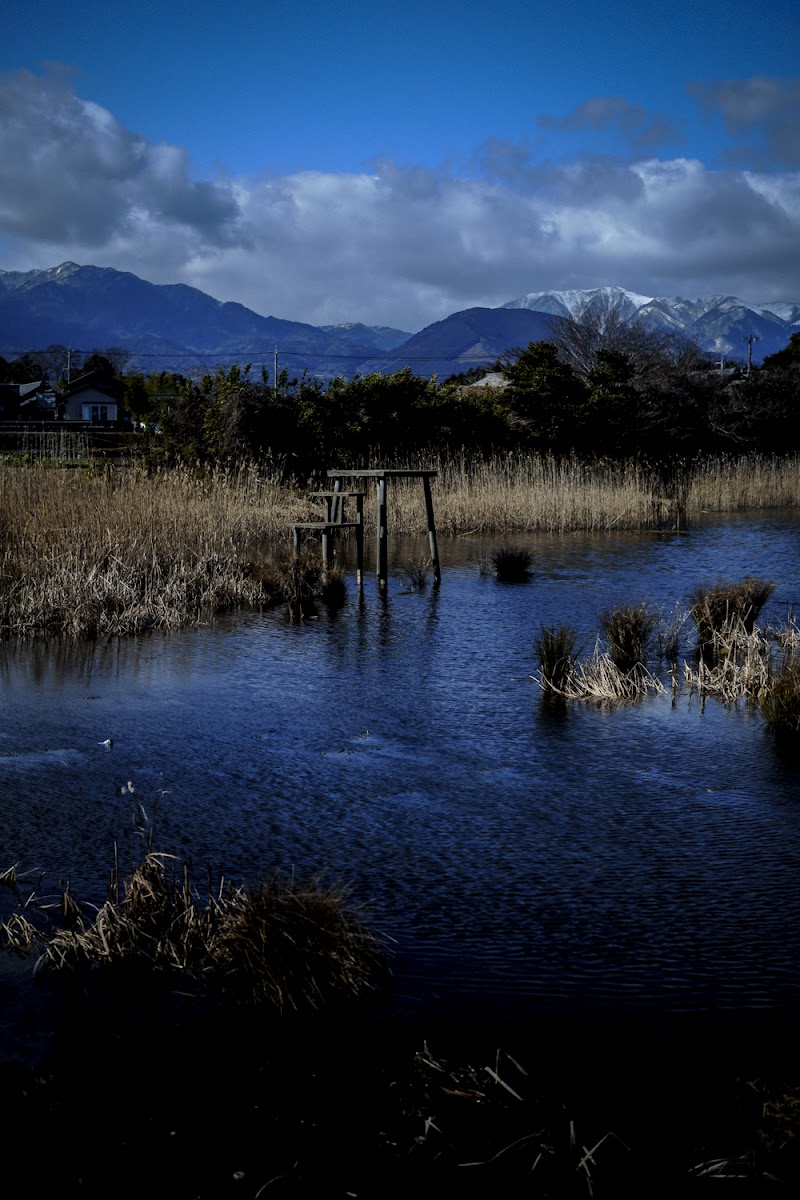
{"points": [[722, 324]]}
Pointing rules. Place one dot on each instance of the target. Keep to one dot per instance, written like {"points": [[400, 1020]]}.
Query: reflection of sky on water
{"points": [[647, 855]]}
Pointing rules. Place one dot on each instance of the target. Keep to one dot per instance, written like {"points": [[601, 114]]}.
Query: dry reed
{"points": [[598, 678], [723, 607], [525, 493], [120, 550], [738, 666], [283, 945]]}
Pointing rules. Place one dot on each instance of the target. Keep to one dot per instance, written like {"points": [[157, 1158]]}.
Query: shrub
{"points": [[628, 629], [512, 564]]}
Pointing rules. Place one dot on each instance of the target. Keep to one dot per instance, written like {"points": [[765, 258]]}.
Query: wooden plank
{"points": [[381, 473]]}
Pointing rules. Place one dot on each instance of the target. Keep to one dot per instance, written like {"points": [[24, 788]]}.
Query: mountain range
{"points": [[180, 328]]}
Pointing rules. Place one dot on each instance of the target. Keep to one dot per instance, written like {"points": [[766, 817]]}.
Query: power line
{"points": [[269, 354]]}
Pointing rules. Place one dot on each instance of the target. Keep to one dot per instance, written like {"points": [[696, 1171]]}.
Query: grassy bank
{"points": [[121, 550]]}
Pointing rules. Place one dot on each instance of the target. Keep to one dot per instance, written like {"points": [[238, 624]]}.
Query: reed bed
{"points": [[121, 550], [285, 946], [738, 484], [522, 493]]}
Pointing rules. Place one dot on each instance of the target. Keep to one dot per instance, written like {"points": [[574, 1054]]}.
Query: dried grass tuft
{"points": [[555, 647], [715, 608], [511, 564], [628, 629], [285, 946]]}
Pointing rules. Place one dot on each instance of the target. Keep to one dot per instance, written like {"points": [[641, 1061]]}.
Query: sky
{"points": [[392, 164]]}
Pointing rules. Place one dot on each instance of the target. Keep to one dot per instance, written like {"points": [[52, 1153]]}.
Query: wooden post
{"points": [[296, 539], [382, 564], [360, 541], [432, 542]]}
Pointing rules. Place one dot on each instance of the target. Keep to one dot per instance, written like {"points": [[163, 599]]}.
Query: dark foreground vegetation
{"points": [[143, 1092], [236, 1042]]}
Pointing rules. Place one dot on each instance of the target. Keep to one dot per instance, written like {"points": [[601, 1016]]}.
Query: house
{"points": [[28, 402], [95, 397]]}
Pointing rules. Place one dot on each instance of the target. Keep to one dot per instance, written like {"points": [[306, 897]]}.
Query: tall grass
{"points": [[521, 493], [88, 552], [555, 647], [121, 551]]}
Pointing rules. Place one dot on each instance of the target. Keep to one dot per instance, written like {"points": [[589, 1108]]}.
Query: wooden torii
{"points": [[382, 476], [335, 513]]}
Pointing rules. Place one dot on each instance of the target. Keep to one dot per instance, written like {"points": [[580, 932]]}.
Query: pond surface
{"points": [[638, 859]]}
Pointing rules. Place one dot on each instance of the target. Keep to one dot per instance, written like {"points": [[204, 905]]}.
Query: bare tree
{"points": [[580, 342]]}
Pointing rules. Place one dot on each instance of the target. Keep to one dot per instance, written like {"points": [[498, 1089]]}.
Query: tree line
{"points": [[597, 387]]}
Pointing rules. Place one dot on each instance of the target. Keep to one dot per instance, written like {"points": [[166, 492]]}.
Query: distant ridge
{"points": [[166, 326], [180, 328], [717, 323]]}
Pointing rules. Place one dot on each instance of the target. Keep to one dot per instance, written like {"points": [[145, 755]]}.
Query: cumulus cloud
{"points": [[73, 173], [763, 113], [392, 244]]}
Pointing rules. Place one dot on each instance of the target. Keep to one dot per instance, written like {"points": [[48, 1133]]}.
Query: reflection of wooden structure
{"points": [[382, 477]]}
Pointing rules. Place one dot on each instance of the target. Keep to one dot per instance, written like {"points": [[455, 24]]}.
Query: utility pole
{"points": [[276, 370], [751, 337]]}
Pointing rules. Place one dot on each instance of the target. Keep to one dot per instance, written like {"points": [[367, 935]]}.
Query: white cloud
{"points": [[393, 245]]}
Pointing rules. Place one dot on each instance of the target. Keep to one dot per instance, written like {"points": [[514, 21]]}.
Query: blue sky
{"points": [[392, 164]]}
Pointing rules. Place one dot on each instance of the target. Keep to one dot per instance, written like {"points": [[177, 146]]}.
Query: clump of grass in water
{"points": [[780, 704], [285, 946], [599, 678], [717, 607], [628, 629], [511, 564], [555, 647]]}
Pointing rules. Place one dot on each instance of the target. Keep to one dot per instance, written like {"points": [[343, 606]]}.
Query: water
{"points": [[640, 859]]}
